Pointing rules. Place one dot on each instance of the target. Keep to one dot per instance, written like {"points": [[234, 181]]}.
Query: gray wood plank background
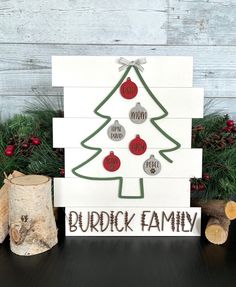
{"points": [[32, 31]]}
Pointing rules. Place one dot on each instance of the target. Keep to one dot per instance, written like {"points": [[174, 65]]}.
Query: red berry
{"points": [[230, 140], [62, 171], [10, 147], [233, 129], [230, 123], [206, 176], [227, 129], [25, 145], [9, 152], [193, 187], [36, 141], [201, 187]]}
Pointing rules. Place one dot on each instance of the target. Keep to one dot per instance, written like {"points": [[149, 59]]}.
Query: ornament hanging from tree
{"points": [[128, 89], [138, 114], [116, 131], [137, 146], [111, 162], [152, 166]]}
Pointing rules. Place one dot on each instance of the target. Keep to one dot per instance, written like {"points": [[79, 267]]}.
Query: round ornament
{"points": [[128, 89], [138, 114], [137, 146], [116, 132], [152, 166], [111, 162]]}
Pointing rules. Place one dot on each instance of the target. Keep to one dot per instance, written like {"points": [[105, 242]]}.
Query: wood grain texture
{"points": [[206, 22], [10, 105], [82, 21], [205, 29], [26, 70]]}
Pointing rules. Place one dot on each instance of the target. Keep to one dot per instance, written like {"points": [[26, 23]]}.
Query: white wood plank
{"points": [[93, 71], [190, 102], [29, 73], [11, 105], [84, 22], [202, 22], [133, 222], [186, 163], [26, 76], [69, 132], [159, 192]]}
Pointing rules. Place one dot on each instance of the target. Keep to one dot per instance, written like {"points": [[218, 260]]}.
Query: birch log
{"points": [[4, 205], [31, 220], [217, 208], [217, 230]]}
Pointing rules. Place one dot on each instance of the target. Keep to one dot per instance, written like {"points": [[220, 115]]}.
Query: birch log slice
{"points": [[4, 220], [31, 219], [217, 230], [3, 212]]}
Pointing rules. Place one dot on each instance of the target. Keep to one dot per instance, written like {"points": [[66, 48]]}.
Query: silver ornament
{"points": [[138, 114], [116, 131], [152, 166]]}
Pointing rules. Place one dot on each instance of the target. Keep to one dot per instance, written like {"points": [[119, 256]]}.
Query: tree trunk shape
{"points": [[217, 230], [217, 208], [131, 188], [31, 220]]}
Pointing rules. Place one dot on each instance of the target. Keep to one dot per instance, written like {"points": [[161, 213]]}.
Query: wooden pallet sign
{"points": [[127, 139]]}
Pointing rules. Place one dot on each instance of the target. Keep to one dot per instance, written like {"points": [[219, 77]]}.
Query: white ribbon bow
{"points": [[126, 63]]}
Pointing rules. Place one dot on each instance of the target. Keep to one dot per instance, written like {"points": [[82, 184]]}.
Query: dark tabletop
{"points": [[130, 261]]}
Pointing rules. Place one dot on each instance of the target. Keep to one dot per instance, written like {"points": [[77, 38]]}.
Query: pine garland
{"points": [[21, 131], [215, 134]]}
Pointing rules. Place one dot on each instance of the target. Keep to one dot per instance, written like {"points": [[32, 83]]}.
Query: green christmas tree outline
{"points": [[108, 119]]}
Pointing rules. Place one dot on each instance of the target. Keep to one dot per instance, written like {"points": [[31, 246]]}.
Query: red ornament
{"points": [[111, 162], [128, 89], [137, 146], [36, 141], [230, 123]]}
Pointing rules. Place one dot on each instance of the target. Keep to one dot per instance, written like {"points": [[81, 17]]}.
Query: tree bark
{"points": [[217, 230], [32, 223], [217, 208], [4, 205]]}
